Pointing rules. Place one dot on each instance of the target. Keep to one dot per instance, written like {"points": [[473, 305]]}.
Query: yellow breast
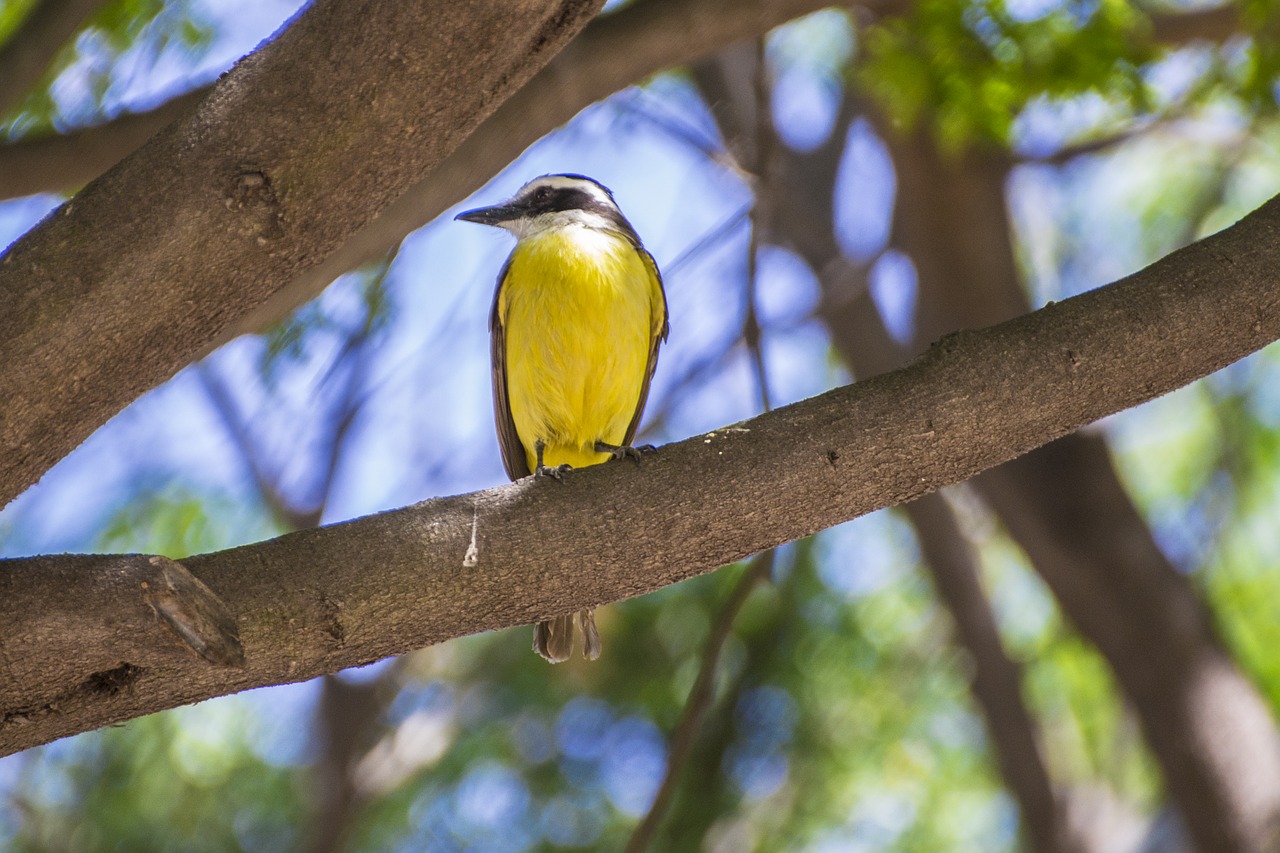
{"points": [[579, 308]]}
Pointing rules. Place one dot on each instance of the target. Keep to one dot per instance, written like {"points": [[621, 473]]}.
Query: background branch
{"points": [[27, 54], [685, 734], [66, 161]]}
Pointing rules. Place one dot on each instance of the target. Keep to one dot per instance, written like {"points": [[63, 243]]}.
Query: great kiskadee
{"points": [[577, 319]]}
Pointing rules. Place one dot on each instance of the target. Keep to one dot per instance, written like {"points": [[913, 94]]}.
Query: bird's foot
{"points": [[625, 451], [555, 472]]}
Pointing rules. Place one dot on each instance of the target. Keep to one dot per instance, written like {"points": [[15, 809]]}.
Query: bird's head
{"points": [[552, 202]]}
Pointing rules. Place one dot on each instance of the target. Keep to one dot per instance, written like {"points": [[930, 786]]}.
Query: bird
{"points": [[578, 316]]}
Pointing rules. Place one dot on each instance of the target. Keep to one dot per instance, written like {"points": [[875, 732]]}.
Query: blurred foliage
{"points": [[187, 781], [972, 67], [842, 718], [123, 40]]}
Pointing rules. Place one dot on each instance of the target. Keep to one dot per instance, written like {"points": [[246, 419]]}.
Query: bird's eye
{"points": [[542, 193]]}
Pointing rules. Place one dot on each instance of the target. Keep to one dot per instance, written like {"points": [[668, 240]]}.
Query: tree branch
{"points": [[685, 734], [996, 680], [615, 51], [123, 286], [320, 600], [27, 53], [1214, 24]]}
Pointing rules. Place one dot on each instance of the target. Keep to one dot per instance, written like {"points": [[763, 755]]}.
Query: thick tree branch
{"points": [[320, 600], [617, 50], [122, 287], [27, 53]]}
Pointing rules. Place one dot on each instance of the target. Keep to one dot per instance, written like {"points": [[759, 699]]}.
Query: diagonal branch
{"points": [[689, 726], [127, 283], [996, 678], [320, 600]]}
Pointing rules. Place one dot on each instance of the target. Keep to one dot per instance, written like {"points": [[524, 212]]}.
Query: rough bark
{"points": [[320, 600], [618, 49], [298, 147]]}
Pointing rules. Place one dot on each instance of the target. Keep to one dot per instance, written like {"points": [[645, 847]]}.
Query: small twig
{"points": [[761, 220], [285, 514], [710, 238], [686, 135], [352, 400], [700, 696], [705, 365]]}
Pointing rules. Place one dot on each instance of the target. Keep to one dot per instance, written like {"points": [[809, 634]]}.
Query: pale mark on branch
{"points": [[722, 432], [472, 557]]}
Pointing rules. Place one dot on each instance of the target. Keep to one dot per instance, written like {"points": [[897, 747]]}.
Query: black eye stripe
{"points": [[554, 199], [557, 199]]}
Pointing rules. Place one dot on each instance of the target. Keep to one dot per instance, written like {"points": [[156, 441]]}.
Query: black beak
{"points": [[495, 215]]}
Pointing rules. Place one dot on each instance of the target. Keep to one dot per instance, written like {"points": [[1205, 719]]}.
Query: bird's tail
{"points": [[553, 639]]}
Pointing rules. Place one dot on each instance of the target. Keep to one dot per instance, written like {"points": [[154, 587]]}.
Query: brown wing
{"points": [[514, 458], [657, 336]]}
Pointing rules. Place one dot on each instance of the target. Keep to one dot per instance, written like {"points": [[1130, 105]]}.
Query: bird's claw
{"points": [[555, 472], [625, 451]]}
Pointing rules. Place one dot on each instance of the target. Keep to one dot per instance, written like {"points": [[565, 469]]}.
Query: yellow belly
{"points": [[578, 310]]}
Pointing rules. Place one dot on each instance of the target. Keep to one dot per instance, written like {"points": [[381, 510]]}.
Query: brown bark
{"points": [[123, 286], [320, 600], [997, 679], [246, 285]]}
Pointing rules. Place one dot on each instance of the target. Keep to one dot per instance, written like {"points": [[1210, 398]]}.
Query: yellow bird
{"points": [[577, 319]]}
